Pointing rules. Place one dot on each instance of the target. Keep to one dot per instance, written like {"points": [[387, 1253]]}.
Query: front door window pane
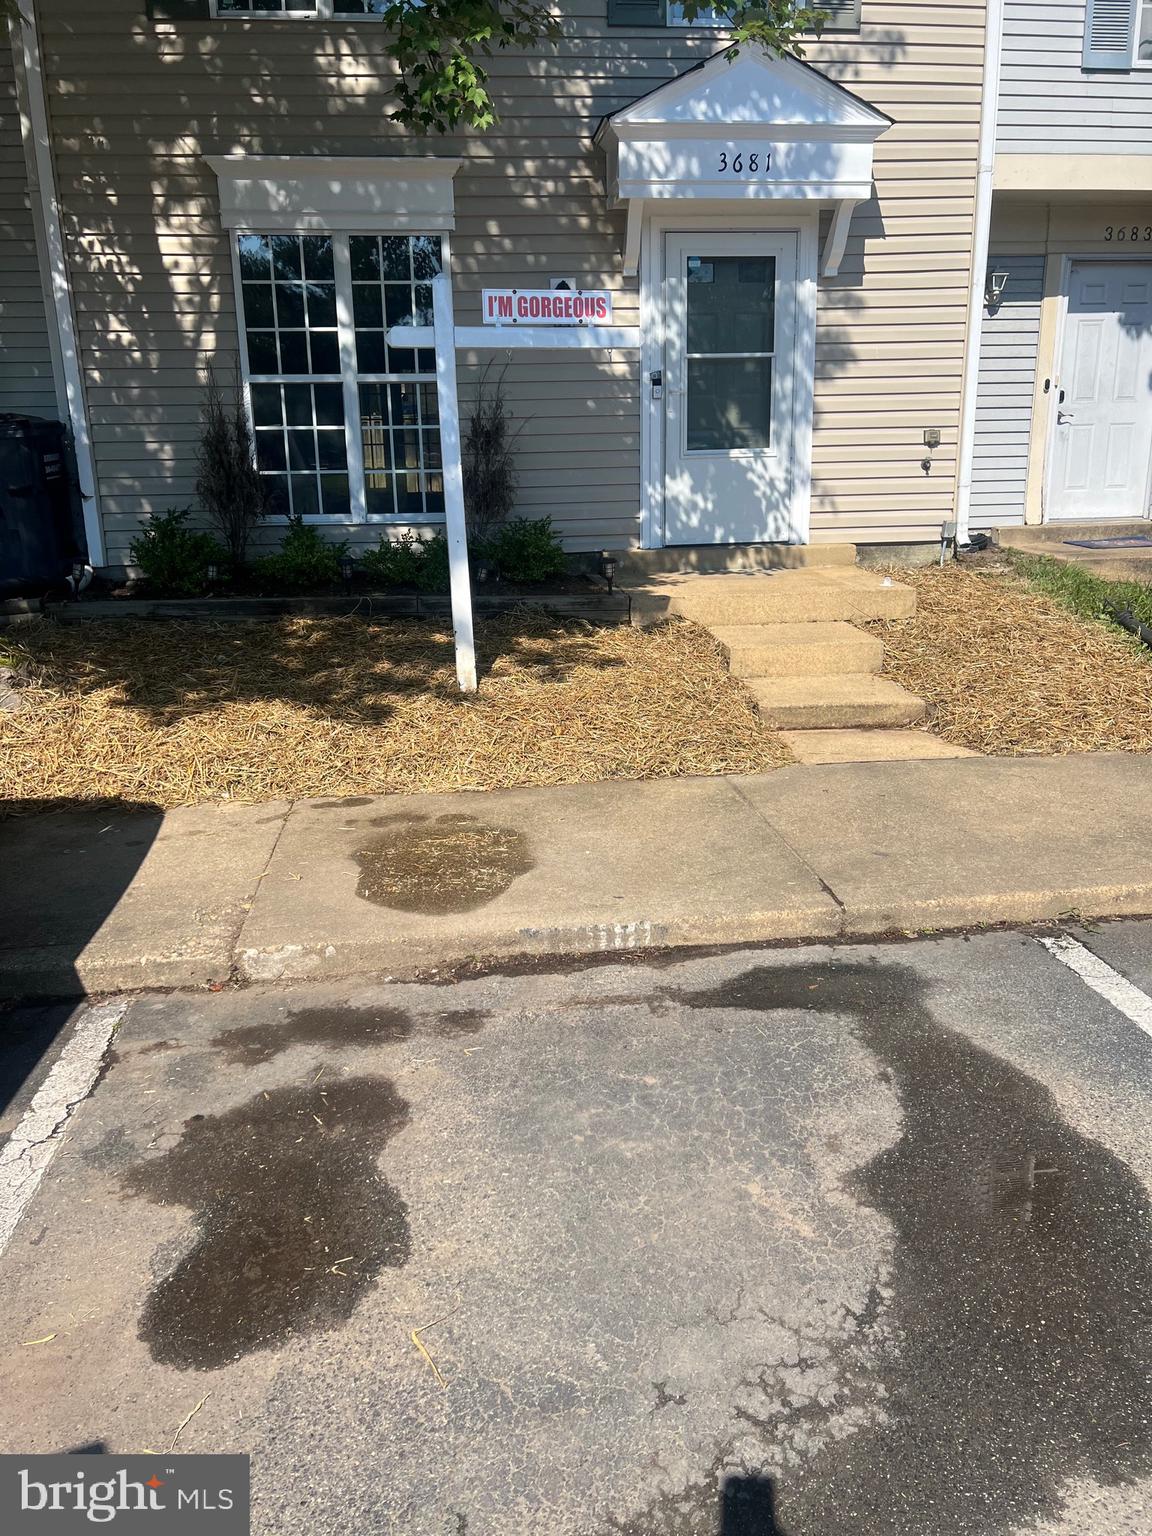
{"points": [[731, 303], [729, 404]]}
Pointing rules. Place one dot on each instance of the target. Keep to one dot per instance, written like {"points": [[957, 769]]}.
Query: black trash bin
{"points": [[39, 541]]}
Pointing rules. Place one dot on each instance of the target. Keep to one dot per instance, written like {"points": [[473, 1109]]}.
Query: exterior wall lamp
{"points": [[994, 286]]}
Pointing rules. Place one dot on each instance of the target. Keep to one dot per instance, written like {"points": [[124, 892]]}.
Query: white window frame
{"points": [[350, 377], [322, 10], [1140, 7]]}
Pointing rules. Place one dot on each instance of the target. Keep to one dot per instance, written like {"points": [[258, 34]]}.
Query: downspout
{"points": [[53, 257], [981, 230]]}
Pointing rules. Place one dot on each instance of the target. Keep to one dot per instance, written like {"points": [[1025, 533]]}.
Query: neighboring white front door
{"points": [[729, 389], [1103, 431]]}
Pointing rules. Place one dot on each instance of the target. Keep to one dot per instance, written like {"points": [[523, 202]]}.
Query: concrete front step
{"points": [[772, 597], [798, 650], [713, 558], [1109, 564], [1057, 533], [862, 746], [834, 703]]}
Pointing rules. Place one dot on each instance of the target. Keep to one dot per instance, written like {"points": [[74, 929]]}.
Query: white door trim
{"points": [[1067, 261], [670, 219]]}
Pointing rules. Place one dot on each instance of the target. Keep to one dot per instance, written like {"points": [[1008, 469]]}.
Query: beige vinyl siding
{"points": [[136, 106], [27, 385]]}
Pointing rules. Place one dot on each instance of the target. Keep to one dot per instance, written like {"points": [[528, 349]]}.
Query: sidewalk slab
{"points": [[100, 900], [385, 885], [950, 844]]}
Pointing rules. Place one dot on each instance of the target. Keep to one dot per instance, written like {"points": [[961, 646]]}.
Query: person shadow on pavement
{"points": [[64, 866], [748, 1507]]}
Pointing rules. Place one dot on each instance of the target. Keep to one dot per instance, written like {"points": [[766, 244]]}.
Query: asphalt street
{"points": [[811, 1241]]}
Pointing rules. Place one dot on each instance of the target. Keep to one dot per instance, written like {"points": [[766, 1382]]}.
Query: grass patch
{"points": [[1081, 591], [1011, 670], [181, 713]]}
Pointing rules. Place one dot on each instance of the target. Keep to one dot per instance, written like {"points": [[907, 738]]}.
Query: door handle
{"points": [[1063, 417]]}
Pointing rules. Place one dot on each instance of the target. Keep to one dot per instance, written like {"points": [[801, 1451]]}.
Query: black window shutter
{"points": [[842, 15], [179, 10], [637, 13]]}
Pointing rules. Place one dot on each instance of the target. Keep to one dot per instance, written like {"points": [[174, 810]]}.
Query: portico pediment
{"points": [[743, 129]]}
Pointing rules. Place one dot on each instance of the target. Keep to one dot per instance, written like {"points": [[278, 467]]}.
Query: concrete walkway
{"points": [[108, 900]]}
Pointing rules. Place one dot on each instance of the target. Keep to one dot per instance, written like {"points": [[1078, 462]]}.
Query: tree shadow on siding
{"points": [[154, 276]]}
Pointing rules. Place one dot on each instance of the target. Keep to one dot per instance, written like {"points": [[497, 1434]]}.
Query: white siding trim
{"points": [[303, 194], [34, 125]]}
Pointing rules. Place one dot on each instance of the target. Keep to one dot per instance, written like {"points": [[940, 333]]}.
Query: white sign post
{"points": [[457, 529], [446, 336]]}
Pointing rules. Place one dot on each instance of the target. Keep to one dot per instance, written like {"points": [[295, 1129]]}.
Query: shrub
{"points": [[409, 562], [394, 562], [526, 549], [305, 559], [432, 575], [488, 462], [231, 491], [175, 558]]}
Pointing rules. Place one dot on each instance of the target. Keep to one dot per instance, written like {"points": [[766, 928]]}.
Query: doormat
{"points": [[1137, 541]]}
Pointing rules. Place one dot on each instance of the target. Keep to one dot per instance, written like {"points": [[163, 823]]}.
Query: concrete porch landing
{"points": [[1050, 540]]}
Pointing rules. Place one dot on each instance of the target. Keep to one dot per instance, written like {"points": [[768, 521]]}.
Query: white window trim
{"points": [[335, 194], [1139, 8], [350, 379], [322, 10]]}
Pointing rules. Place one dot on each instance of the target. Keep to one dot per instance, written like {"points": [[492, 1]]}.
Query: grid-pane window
{"points": [[300, 447], [392, 285], [289, 286], [352, 441], [403, 474], [321, 9]]}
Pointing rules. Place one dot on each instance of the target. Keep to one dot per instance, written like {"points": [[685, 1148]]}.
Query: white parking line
{"points": [[1099, 975], [25, 1157]]}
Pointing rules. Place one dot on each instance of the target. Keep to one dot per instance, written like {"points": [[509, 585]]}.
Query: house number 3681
{"points": [[741, 164]]}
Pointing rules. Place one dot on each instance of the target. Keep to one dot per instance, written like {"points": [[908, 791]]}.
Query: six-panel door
{"points": [[1103, 428]]}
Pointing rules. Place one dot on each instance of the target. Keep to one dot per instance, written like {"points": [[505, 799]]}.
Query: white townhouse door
{"points": [[1103, 431], [729, 389]]}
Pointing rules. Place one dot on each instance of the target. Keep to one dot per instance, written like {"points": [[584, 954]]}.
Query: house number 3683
{"points": [[1128, 232], [741, 164]]}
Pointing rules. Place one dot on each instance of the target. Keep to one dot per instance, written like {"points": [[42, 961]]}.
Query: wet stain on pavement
{"points": [[341, 1028], [436, 867], [345, 1028], [294, 1220], [1009, 1349], [458, 1021], [344, 803]]}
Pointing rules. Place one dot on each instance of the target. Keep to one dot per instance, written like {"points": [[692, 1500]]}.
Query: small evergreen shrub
{"points": [[433, 573], [409, 562], [526, 550], [305, 560], [394, 562], [175, 558]]}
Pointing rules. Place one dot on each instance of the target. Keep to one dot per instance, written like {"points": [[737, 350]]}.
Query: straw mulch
{"points": [[1011, 672], [178, 713]]}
